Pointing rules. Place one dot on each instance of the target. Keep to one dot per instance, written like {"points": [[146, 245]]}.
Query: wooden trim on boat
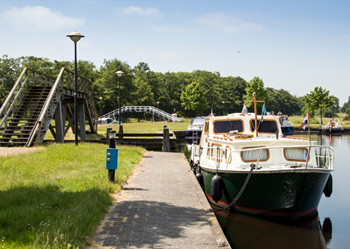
{"points": [[212, 152], [228, 148], [298, 138]]}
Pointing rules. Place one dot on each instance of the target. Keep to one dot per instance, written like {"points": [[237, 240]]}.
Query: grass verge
{"points": [[56, 197]]}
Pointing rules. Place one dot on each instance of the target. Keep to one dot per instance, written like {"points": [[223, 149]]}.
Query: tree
{"points": [[193, 98], [9, 72], [255, 85], [107, 85], [330, 111], [318, 99], [147, 85], [171, 86], [282, 100], [345, 106], [210, 82], [232, 90]]}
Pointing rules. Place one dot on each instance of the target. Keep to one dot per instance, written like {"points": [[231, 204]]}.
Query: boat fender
{"points": [[216, 187], [327, 229], [328, 189], [199, 177]]}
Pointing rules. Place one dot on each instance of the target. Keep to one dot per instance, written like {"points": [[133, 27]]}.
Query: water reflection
{"points": [[334, 140], [246, 231]]}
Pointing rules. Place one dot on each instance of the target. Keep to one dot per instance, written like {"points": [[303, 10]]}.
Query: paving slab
{"points": [[161, 206]]}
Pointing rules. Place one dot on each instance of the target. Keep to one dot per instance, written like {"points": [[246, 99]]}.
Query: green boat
{"points": [[260, 171]]}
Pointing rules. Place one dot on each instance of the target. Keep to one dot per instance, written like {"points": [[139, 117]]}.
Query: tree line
{"points": [[188, 94]]}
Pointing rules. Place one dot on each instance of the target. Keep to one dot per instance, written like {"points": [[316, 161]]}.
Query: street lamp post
{"points": [[75, 37], [119, 74], [100, 98], [223, 107]]}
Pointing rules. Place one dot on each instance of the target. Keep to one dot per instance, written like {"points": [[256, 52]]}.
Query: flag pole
{"points": [[256, 116]]}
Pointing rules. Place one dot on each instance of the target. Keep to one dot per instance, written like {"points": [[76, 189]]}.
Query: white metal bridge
{"points": [[146, 109]]}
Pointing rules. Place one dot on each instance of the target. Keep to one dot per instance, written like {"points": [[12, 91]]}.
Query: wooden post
{"points": [[166, 139], [59, 123], [107, 134], [81, 113], [121, 132]]}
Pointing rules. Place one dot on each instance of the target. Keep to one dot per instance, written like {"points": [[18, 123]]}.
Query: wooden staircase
{"points": [[39, 99], [24, 117]]}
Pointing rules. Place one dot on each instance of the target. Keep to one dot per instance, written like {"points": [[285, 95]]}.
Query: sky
{"points": [[295, 45]]}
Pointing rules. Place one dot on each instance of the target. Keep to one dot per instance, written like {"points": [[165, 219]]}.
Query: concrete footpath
{"points": [[161, 206]]}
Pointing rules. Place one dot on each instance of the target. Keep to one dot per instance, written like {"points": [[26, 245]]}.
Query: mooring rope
{"points": [[252, 167]]}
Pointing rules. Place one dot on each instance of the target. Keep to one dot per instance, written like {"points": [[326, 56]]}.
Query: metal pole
{"points": [[111, 172], [256, 117], [76, 95], [119, 104]]}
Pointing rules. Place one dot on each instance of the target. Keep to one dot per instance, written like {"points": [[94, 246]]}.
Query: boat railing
{"points": [[324, 156]]}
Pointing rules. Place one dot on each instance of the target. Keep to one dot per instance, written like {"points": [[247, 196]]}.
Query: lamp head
{"points": [[112, 134], [75, 36], [119, 73]]}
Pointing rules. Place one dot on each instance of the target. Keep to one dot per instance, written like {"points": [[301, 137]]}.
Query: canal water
{"points": [[329, 229]]}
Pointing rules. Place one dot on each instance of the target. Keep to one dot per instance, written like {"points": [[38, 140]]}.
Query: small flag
{"points": [[244, 110], [305, 124], [263, 112]]}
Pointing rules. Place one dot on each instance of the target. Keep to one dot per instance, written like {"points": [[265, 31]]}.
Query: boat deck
{"points": [[161, 206]]}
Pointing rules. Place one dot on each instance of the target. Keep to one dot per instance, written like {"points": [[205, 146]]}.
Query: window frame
{"points": [[296, 160], [227, 120], [260, 160]]}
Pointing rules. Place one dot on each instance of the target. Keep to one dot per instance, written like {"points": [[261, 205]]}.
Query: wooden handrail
{"points": [[12, 91]]}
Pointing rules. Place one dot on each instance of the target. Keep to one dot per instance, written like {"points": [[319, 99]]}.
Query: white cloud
{"points": [[227, 24], [40, 18], [133, 10], [170, 29]]}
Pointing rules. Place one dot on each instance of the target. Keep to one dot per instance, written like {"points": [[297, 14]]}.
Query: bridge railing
{"points": [[149, 109], [11, 99]]}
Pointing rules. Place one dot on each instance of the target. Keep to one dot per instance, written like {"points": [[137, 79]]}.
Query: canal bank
{"points": [[161, 206]]}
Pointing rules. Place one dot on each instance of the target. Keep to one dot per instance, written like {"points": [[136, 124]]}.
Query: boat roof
{"points": [[247, 116]]}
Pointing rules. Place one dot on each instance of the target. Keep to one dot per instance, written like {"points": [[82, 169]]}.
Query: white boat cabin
{"points": [[231, 143]]}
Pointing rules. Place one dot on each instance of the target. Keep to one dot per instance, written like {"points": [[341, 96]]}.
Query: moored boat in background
{"points": [[286, 126], [194, 131], [333, 126]]}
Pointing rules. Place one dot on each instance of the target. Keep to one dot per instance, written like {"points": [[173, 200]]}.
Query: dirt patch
{"points": [[11, 151]]}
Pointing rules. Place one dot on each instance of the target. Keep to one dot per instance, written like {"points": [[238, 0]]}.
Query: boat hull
{"points": [[333, 130], [288, 195]]}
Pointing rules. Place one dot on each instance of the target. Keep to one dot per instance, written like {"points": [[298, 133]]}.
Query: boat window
{"points": [[225, 126], [209, 150], [254, 155], [216, 152], [296, 154], [197, 121], [227, 154], [206, 128], [267, 126]]}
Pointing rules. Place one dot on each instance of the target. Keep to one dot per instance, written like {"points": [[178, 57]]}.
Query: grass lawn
{"points": [[56, 197], [315, 122]]}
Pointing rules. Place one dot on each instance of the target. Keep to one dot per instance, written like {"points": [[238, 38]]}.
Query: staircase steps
{"points": [[24, 117]]}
